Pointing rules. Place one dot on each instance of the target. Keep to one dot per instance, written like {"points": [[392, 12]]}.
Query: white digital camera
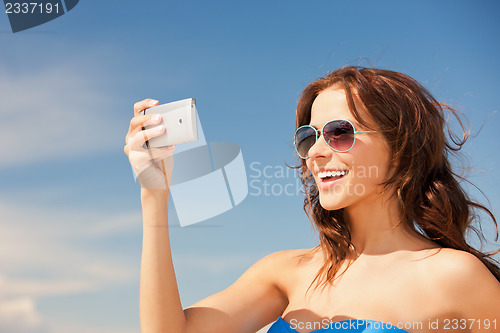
{"points": [[179, 119]]}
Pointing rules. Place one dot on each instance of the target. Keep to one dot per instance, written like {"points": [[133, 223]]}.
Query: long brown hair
{"points": [[431, 199]]}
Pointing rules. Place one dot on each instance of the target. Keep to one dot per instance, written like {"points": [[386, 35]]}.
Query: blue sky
{"points": [[70, 222]]}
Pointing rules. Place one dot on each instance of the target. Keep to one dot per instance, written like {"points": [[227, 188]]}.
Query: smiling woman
{"points": [[408, 149], [390, 212]]}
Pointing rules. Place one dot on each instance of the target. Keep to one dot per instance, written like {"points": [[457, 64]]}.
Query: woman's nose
{"points": [[319, 148]]}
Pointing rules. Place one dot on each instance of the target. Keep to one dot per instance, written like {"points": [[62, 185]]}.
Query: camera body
{"points": [[179, 119]]}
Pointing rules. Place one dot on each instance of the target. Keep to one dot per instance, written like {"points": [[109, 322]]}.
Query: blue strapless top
{"points": [[351, 326]]}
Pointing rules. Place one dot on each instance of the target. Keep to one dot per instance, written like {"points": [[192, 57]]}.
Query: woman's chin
{"points": [[331, 203]]}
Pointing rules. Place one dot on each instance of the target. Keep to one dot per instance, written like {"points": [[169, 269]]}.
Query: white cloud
{"points": [[46, 239], [19, 315], [47, 253], [85, 327], [39, 287], [53, 113]]}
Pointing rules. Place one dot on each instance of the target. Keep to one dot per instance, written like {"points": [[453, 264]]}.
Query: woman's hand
{"points": [[153, 166]]}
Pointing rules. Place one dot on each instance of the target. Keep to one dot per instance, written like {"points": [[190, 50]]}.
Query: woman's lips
{"points": [[326, 183]]}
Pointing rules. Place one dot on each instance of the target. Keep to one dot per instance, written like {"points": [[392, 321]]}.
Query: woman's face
{"points": [[367, 163]]}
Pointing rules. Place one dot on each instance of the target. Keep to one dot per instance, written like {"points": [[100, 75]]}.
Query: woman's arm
{"points": [[160, 305], [254, 300]]}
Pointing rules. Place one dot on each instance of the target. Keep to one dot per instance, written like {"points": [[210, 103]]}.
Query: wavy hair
{"points": [[430, 196]]}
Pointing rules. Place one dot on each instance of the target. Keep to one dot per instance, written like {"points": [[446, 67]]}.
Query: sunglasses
{"points": [[338, 134]]}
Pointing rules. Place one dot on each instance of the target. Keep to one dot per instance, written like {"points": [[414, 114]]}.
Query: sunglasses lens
{"points": [[339, 134], [305, 138]]}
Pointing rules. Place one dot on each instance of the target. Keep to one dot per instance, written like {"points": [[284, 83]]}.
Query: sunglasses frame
{"points": [[321, 133]]}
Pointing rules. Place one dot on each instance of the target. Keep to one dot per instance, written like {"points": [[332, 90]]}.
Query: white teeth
{"points": [[326, 174]]}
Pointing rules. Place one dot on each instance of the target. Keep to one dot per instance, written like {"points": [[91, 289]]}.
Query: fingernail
{"points": [[155, 117], [153, 102], [159, 128]]}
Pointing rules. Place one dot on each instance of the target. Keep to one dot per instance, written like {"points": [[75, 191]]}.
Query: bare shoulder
{"points": [[463, 266], [465, 281]]}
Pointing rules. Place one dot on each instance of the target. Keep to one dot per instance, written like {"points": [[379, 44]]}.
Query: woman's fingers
{"points": [[153, 166], [138, 137], [138, 122], [144, 120], [144, 104]]}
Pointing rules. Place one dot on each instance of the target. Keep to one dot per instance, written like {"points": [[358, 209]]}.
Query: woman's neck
{"points": [[377, 227]]}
